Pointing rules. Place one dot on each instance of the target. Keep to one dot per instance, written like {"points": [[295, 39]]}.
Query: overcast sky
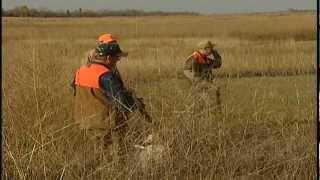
{"points": [[205, 6]]}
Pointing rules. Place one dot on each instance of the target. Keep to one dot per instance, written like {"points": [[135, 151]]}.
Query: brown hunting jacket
{"points": [[91, 110]]}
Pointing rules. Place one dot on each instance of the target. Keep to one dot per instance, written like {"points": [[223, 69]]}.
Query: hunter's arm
{"points": [[217, 60], [115, 91]]}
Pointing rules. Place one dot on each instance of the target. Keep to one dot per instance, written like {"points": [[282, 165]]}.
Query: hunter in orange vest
{"points": [[102, 103], [200, 63]]}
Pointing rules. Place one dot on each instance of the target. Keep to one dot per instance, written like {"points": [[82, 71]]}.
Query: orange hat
{"points": [[106, 38]]}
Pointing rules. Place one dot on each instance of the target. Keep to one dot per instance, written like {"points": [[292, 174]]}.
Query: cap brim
{"points": [[211, 47], [123, 54], [108, 41]]}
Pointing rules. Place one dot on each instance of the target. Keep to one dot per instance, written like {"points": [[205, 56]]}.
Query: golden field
{"points": [[265, 128]]}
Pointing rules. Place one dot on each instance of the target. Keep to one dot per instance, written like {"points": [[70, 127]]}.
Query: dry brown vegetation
{"points": [[266, 129]]}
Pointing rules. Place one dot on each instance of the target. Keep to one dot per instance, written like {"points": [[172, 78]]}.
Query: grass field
{"points": [[266, 128]]}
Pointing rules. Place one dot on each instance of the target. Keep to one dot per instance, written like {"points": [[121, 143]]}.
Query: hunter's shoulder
{"points": [[106, 75], [110, 75]]}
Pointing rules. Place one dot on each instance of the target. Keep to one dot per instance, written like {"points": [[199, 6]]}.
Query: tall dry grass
{"points": [[266, 128]]}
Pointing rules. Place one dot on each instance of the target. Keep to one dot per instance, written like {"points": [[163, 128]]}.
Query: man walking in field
{"points": [[102, 103], [200, 64]]}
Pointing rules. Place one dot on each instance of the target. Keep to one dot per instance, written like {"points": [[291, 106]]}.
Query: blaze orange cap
{"points": [[106, 38]]}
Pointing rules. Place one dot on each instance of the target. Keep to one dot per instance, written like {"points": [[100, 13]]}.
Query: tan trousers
{"points": [[106, 144], [191, 75]]}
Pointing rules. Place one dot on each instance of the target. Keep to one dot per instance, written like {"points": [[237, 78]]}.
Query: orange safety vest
{"points": [[88, 76], [199, 57]]}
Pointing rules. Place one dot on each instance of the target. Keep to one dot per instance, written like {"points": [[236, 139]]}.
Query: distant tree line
{"points": [[25, 11], [300, 10]]}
